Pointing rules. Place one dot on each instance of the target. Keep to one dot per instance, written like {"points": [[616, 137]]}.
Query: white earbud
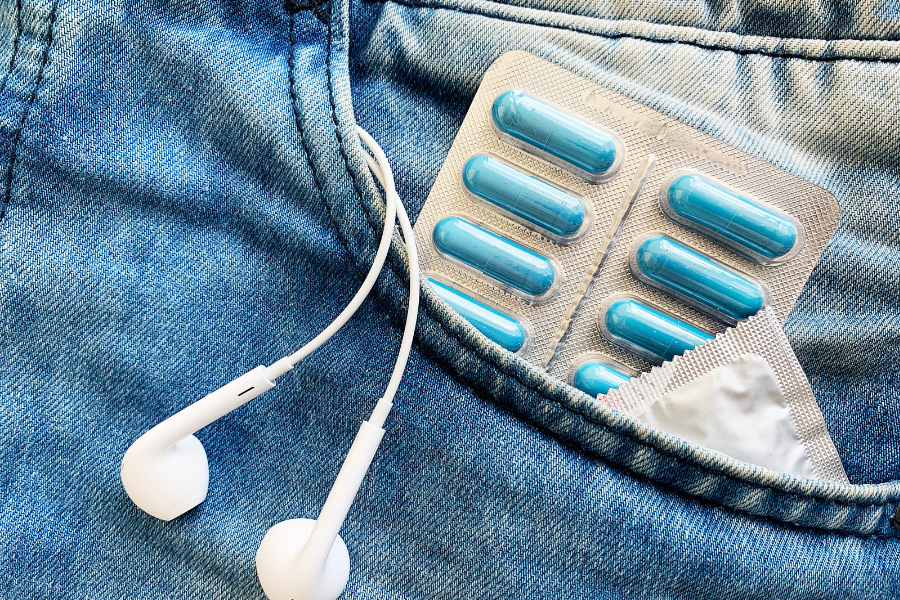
{"points": [[282, 572], [165, 472], [302, 559], [306, 559]]}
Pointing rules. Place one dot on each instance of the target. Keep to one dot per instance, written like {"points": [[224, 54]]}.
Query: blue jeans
{"points": [[184, 197]]}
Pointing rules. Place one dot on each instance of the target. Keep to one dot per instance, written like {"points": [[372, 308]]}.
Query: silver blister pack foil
{"points": [[624, 207]]}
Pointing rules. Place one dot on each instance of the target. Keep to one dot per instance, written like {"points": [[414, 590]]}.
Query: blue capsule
{"points": [[495, 325], [746, 225], [646, 331], [531, 199], [596, 377], [671, 266], [590, 152], [495, 256]]}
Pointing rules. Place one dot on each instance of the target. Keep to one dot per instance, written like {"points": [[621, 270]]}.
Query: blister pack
{"points": [[597, 237]]}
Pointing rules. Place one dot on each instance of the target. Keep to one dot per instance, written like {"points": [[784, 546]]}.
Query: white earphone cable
{"points": [[382, 172], [318, 546], [287, 363], [166, 472]]}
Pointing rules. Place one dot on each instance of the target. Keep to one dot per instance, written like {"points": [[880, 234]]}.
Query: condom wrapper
{"points": [[743, 394]]}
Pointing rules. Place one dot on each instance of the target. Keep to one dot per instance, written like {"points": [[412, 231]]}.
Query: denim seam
{"points": [[7, 193], [593, 454], [590, 419], [655, 24], [391, 258], [612, 36], [485, 395], [650, 445], [337, 129], [306, 153], [15, 49], [314, 6]]}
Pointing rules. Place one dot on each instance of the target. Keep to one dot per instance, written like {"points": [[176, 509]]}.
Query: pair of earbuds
{"points": [[165, 472]]}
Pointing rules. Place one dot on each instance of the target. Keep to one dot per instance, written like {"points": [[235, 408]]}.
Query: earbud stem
{"points": [[353, 471], [165, 471], [213, 406]]}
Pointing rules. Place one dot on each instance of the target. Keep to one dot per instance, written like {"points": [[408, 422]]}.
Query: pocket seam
{"points": [[437, 5], [15, 48], [26, 110], [655, 24]]}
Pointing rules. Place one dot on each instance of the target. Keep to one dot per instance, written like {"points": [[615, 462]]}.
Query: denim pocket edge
{"points": [[567, 415]]}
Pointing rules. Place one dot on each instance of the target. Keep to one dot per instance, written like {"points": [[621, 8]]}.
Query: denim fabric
{"points": [[184, 197]]}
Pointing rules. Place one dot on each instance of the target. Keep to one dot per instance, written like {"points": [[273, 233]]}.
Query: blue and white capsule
{"points": [[646, 331], [586, 150], [755, 229], [507, 331], [526, 198], [682, 272], [596, 374], [517, 269]]}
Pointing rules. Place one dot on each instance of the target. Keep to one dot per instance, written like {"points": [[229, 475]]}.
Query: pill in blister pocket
{"points": [[663, 263], [591, 152], [532, 200], [497, 326], [496, 257], [595, 377], [648, 332], [752, 228]]}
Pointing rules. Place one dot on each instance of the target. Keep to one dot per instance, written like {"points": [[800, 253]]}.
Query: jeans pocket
{"points": [[703, 78]]}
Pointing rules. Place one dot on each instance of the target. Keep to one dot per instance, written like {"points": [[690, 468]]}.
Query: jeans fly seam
{"points": [[15, 48], [533, 387], [616, 36], [337, 131], [7, 193], [306, 153]]}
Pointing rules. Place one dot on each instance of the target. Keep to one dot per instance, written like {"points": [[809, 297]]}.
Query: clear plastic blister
{"points": [[749, 226], [585, 149], [508, 329], [594, 373], [645, 329], [557, 213], [700, 281], [490, 255]]}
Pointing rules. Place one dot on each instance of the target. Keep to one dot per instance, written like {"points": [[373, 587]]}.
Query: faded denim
{"points": [[184, 197]]}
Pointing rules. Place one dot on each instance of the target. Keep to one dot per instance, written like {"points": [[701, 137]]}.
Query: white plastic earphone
{"points": [[165, 472]]}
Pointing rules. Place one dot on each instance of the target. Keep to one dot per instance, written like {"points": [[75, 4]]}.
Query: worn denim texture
{"points": [[184, 197]]}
